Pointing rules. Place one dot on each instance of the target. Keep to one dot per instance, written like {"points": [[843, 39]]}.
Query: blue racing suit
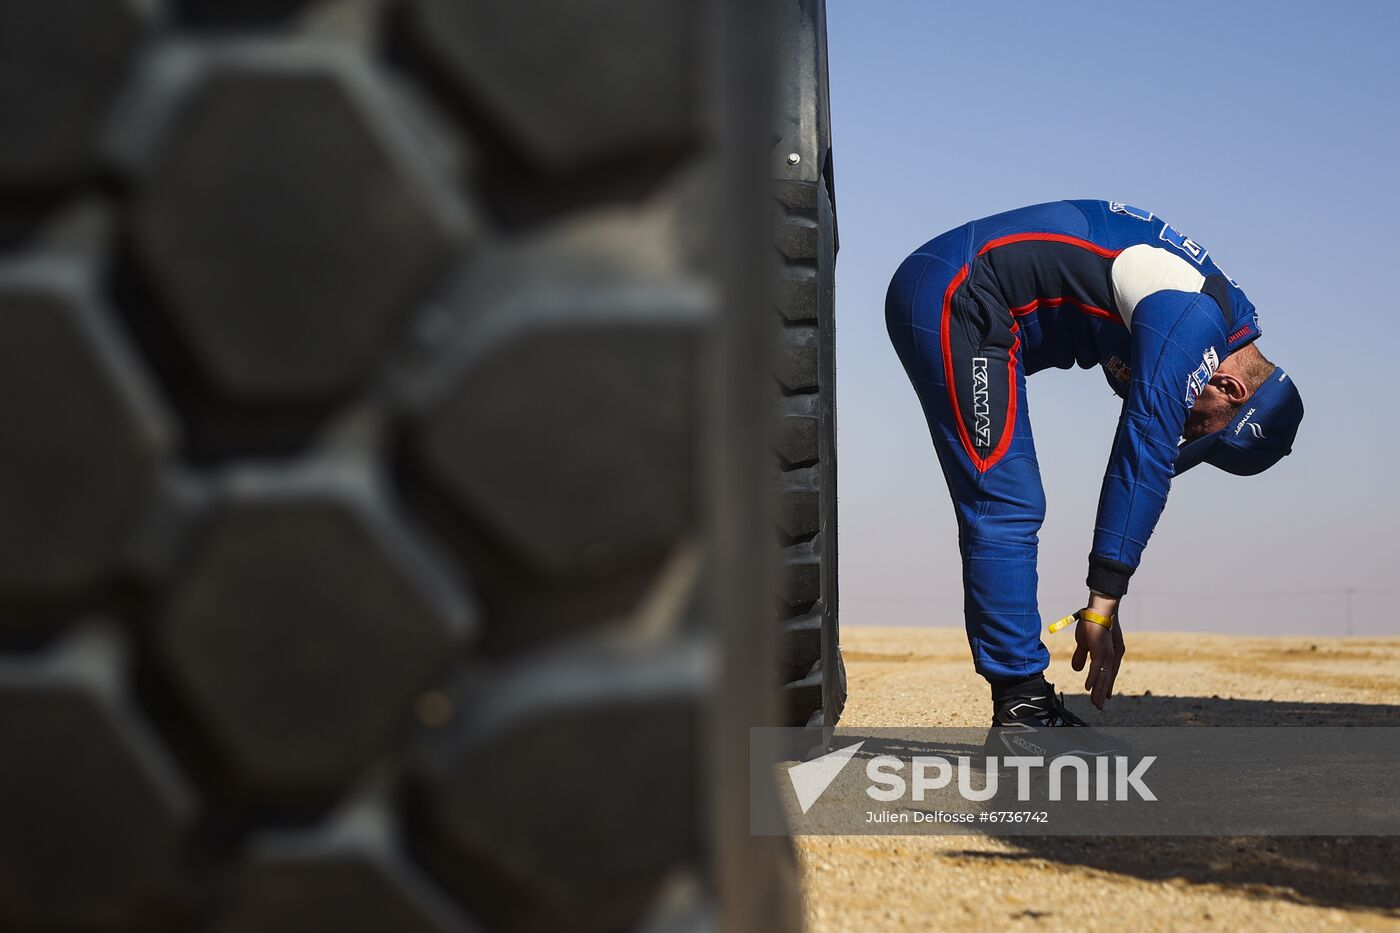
{"points": [[1090, 283]]}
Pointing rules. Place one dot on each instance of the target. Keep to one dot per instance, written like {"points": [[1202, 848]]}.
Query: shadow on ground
{"points": [[1361, 872], [1351, 873], [1149, 710]]}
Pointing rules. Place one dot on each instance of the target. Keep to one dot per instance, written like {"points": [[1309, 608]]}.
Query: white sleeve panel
{"points": [[1140, 270]]}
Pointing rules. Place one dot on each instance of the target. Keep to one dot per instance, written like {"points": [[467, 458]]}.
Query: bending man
{"points": [[1089, 283]]}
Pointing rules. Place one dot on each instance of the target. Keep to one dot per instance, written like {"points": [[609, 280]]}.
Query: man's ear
{"points": [[1231, 386]]}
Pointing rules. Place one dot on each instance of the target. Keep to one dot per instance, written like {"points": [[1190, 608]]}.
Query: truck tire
{"points": [[365, 449], [812, 673]]}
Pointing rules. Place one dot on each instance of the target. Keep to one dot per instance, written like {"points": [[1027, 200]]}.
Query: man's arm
{"points": [[1176, 336], [1176, 340]]}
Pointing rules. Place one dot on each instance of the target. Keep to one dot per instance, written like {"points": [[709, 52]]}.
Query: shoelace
{"points": [[1058, 715]]}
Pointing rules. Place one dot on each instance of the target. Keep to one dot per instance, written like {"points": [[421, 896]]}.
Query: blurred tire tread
{"points": [[351, 358]]}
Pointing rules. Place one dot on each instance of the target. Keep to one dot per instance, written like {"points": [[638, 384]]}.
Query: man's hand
{"points": [[1102, 647]]}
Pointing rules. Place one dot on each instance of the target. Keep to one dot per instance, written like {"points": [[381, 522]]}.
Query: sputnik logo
{"points": [[810, 779]]}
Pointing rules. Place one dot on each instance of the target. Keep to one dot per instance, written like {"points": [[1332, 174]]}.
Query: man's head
{"points": [[1239, 375], [1245, 419]]}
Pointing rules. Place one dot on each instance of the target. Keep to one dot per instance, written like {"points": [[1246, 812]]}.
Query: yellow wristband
{"points": [[1088, 615]]}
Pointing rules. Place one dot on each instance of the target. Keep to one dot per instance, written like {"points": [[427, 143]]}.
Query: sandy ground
{"points": [[912, 676]]}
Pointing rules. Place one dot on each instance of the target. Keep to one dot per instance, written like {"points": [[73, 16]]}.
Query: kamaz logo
{"points": [[981, 407]]}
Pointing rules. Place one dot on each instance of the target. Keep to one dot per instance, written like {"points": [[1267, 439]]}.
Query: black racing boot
{"points": [[1030, 719]]}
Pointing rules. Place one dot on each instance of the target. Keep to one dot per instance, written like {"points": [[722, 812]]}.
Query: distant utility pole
{"points": [[1350, 591]]}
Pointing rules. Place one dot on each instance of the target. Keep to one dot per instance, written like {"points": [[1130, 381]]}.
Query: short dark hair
{"points": [[1255, 369]]}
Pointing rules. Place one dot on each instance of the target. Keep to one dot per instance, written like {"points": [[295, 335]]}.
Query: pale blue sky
{"points": [[1266, 131]]}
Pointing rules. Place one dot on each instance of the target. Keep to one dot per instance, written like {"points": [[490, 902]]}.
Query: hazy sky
{"points": [[1268, 132]]}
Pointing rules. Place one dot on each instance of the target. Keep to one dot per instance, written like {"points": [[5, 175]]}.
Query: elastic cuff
{"points": [[1109, 577], [1006, 686]]}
